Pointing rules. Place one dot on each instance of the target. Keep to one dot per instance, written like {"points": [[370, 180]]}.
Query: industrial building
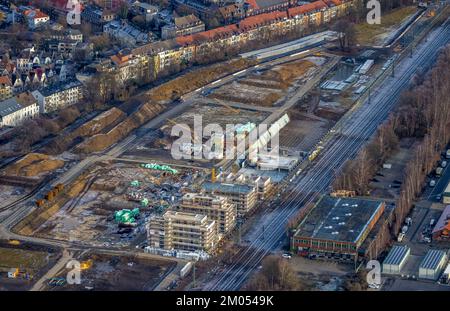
{"points": [[396, 259], [217, 208], [432, 265], [335, 228], [243, 196], [182, 231], [441, 231]]}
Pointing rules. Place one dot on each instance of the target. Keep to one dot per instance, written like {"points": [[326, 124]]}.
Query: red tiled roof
{"points": [[253, 4], [333, 2], [220, 32], [306, 8], [37, 13], [5, 80], [260, 19]]}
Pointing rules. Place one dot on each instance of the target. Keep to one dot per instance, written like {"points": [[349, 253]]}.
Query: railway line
{"points": [[319, 174]]}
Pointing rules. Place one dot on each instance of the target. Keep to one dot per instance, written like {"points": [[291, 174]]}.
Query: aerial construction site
{"points": [[188, 166]]}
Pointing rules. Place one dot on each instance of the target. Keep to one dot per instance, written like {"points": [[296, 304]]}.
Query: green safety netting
{"points": [[158, 167]]}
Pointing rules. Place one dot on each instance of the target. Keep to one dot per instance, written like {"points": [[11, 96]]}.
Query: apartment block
{"points": [[183, 231], [15, 110], [59, 96], [243, 196], [5, 88], [217, 208]]}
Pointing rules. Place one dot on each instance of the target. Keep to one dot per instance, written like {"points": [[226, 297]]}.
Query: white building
{"points": [[432, 265], [396, 259], [57, 97], [15, 110], [36, 18]]}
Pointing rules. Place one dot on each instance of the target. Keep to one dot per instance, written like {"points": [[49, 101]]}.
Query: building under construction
{"points": [[183, 231], [217, 208], [243, 196]]}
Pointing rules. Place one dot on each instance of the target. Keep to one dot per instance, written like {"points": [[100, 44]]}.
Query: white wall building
{"points": [[433, 264], [36, 18], [396, 259], [57, 97], [15, 110]]}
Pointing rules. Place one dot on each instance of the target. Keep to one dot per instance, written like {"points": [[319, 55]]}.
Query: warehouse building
{"points": [[396, 259], [182, 231], [335, 228], [217, 208], [441, 231], [432, 265]]}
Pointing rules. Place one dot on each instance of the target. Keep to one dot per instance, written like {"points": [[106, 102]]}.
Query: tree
{"points": [[347, 33]]}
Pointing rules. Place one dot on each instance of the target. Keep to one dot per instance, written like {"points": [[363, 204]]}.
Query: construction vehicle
{"points": [[40, 203], [85, 265]]}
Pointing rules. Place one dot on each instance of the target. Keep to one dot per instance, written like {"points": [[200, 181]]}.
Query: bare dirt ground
{"points": [[266, 88], [89, 217], [32, 261], [117, 273]]}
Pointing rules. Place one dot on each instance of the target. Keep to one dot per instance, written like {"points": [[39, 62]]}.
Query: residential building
{"points": [[182, 231], [97, 17], [59, 96], [126, 34], [243, 196], [231, 13], [15, 110], [6, 90], [182, 26], [145, 9], [36, 18], [255, 7], [217, 208], [113, 5], [441, 231], [335, 228]]}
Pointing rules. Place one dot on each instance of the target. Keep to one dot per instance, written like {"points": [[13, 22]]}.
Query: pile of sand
{"points": [[33, 164], [97, 125], [102, 141]]}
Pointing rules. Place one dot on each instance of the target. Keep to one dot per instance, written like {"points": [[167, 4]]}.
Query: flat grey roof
{"points": [[432, 259], [396, 255], [339, 219], [227, 188]]}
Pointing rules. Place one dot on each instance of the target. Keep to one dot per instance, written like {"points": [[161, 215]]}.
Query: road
{"points": [[355, 131]]}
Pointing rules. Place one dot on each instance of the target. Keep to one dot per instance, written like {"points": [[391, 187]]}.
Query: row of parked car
{"points": [[440, 169]]}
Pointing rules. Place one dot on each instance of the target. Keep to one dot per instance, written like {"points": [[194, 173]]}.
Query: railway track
{"points": [[319, 176]]}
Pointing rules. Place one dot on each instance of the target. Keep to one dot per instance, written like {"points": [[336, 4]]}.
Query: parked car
{"points": [[286, 255], [444, 163], [432, 183]]}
